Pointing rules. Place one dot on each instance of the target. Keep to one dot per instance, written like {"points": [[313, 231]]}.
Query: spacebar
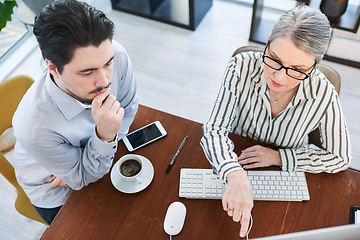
{"points": [[264, 173]]}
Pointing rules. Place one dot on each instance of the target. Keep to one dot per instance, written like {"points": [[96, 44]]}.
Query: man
{"points": [[68, 124]]}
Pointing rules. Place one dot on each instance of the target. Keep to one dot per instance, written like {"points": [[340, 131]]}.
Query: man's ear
{"points": [[52, 68]]}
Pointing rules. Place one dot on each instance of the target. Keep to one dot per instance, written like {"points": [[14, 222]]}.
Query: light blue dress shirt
{"points": [[56, 136]]}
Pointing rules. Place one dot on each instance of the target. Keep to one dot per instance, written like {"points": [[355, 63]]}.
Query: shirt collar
{"points": [[69, 106], [305, 90]]}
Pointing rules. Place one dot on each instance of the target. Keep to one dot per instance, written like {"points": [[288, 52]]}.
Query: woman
{"points": [[277, 97]]}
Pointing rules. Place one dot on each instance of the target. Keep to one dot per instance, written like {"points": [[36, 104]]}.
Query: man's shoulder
{"points": [[33, 109], [118, 48], [34, 94]]}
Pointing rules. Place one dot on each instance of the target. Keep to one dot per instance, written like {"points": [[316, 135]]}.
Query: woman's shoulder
{"points": [[321, 86], [323, 82], [247, 60], [249, 56]]}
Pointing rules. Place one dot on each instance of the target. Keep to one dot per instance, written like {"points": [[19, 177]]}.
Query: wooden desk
{"points": [[99, 211]]}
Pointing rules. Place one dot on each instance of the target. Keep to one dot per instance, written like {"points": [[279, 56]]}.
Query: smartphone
{"points": [[144, 136]]}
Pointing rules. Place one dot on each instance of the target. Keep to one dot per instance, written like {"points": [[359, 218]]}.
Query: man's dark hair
{"points": [[65, 25]]}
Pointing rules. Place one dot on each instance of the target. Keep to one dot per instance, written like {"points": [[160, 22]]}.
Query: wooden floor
{"points": [[179, 71]]}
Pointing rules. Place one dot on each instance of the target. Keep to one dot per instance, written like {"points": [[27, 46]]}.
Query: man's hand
{"points": [[55, 182], [259, 156], [108, 115], [237, 199]]}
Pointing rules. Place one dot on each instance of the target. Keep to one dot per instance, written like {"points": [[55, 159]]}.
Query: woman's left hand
{"points": [[259, 156]]}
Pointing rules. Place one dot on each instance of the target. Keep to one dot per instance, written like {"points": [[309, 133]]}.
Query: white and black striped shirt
{"points": [[243, 107]]}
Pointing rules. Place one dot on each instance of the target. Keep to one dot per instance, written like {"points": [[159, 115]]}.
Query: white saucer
{"points": [[133, 187]]}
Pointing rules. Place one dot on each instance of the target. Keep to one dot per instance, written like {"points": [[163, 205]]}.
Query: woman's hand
{"points": [[237, 199], [259, 156]]}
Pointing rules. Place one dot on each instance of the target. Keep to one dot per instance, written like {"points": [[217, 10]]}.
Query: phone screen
{"points": [[143, 135]]}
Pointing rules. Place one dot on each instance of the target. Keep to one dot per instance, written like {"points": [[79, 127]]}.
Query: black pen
{"points": [[176, 154]]}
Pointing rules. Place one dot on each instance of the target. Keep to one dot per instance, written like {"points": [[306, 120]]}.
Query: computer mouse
{"points": [[174, 218]]}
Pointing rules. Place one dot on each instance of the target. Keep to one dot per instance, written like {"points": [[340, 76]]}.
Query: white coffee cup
{"points": [[130, 168]]}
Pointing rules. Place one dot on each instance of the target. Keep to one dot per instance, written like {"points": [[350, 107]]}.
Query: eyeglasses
{"points": [[291, 72]]}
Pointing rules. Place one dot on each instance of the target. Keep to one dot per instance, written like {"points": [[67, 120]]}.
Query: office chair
{"points": [[331, 74], [11, 92]]}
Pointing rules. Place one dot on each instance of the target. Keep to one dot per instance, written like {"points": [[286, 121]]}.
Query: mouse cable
{"points": [[251, 223]]}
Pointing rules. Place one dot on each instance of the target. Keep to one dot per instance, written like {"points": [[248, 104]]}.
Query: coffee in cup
{"points": [[130, 168]]}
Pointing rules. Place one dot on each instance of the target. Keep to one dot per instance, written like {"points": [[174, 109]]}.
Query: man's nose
{"points": [[102, 79]]}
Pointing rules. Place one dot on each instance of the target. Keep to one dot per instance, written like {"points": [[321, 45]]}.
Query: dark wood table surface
{"points": [[99, 211]]}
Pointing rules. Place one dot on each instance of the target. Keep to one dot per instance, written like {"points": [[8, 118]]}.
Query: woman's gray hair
{"points": [[308, 28]]}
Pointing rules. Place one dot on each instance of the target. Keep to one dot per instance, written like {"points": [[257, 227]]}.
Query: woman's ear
{"points": [[52, 68]]}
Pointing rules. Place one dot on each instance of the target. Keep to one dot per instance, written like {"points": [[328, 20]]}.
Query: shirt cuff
{"points": [[104, 148], [228, 168], [288, 159]]}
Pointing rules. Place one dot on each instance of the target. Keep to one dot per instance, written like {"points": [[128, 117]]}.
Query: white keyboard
{"points": [[266, 185]]}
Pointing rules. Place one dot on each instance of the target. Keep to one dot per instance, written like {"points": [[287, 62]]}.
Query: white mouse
{"points": [[174, 219]]}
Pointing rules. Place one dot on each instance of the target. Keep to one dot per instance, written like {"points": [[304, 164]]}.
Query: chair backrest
{"points": [[22, 202], [331, 74], [248, 49], [11, 92]]}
